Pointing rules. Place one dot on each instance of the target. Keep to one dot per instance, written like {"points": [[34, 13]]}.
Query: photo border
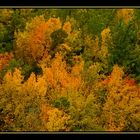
{"points": [[69, 135]]}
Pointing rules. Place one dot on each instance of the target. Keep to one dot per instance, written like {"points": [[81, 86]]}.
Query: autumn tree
{"points": [[120, 110]]}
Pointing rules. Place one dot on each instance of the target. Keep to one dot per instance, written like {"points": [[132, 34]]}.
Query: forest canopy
{"points": [[69, 70]]}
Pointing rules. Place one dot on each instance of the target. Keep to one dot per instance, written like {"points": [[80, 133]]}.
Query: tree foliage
{"points": [[69, 70]]}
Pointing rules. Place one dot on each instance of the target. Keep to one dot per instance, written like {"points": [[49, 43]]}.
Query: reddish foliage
{"points": [[130, 82], [4, 59], [106, 81]]}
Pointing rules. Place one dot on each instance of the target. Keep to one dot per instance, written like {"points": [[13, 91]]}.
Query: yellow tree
{"points": [[122, 102], [21, 101], [105, 44], [54, 119], [125, 14]]}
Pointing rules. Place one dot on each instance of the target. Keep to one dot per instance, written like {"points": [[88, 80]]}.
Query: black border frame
{"points": [[67, 3], [69, 136], [73, 3]]}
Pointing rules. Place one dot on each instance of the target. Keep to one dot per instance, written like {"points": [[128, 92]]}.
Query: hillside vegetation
{"points": [[69, 69]]}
